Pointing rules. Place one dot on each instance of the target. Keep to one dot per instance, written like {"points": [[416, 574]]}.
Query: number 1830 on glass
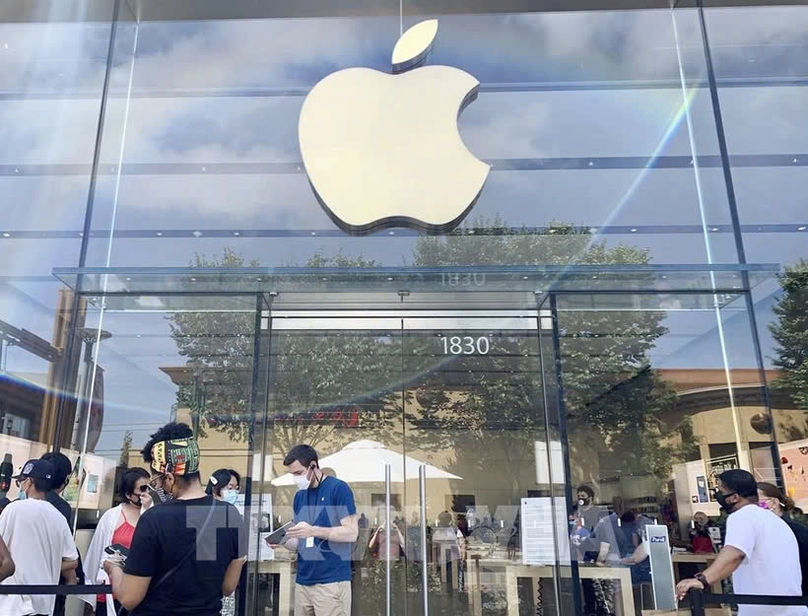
{"points": [[466, 345]]}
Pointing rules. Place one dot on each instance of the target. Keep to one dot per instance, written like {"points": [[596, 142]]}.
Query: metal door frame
{"points": [[340, 320]]}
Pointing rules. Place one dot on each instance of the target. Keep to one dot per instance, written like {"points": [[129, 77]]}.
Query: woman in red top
{"points": [[116, 527]]}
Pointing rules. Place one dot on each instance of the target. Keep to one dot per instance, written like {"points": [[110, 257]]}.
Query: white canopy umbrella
{"points": [[363, 462]]}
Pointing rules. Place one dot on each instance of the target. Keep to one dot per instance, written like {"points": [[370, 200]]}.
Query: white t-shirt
{"points": [[38, 538], [772, 563]]}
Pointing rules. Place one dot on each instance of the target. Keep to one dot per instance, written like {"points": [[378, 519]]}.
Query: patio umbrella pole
{"points": [[422, 489], [387, 489]]}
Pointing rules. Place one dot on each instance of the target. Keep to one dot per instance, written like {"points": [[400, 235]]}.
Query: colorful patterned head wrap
{"points": [[180, 456]]}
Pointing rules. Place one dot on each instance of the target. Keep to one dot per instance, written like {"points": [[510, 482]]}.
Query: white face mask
{"points": [[230, 496], [302, 481]]}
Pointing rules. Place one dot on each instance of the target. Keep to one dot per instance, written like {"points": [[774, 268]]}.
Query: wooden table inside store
{"points": [[283, 568], [702, 560], [444, 555], [515, 569]]}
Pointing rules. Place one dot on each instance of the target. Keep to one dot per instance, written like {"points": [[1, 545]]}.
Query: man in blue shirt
{"points": [[325, 528]]}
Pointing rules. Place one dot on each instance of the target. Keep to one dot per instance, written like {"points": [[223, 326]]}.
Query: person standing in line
{"points": [[116, 527], [326, 527], [62, 470], [772, 498], [7, 566], [39, 540], [760, 551], [187, 553], [224, 485]]}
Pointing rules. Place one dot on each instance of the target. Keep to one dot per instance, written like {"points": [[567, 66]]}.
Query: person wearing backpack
{"points": [[187, 553]]}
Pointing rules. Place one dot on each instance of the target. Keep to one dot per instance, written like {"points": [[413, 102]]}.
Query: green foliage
{"points": [[219, 351], [613, 399], [334, 386], [324, 382], [791, 334], [126, 447], [564, 244], [317, 382]]}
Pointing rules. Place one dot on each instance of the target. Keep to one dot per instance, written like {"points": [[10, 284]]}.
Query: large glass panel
{"points": [[454, 406], [580, 135], [761, 66], [152, 360], [335, 385], [662, 393], [51, 85], [475, 418]]}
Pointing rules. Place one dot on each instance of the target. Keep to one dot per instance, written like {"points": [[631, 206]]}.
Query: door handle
{"points": [[424, 573]]}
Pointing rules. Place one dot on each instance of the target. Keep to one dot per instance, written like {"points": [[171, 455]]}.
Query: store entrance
{"points": [[440, 424], [462, 433]]}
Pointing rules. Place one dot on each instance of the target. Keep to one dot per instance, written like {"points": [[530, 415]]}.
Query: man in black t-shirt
{"points": [[187, 553]]}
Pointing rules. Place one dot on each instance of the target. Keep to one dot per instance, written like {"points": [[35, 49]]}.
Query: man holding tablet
{"points": [[325, 528]]}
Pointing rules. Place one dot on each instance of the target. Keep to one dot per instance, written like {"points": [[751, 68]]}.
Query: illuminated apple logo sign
{"points": [[384, 150]]}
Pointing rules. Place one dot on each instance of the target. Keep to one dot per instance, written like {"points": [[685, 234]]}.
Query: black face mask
{"points": [[722, 500]]}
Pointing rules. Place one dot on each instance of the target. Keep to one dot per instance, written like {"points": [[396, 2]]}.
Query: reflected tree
{"points": [[218, 347], [615, 401], [323, 388], [789, 332], [345, 385], [126, 447]]}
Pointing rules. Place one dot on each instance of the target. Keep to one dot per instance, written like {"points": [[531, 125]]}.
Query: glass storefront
{"points": [[616, 316]]}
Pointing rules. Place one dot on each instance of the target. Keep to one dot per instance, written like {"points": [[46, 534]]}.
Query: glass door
{"points": [[437, 422], [482, 501], [335, 384]]}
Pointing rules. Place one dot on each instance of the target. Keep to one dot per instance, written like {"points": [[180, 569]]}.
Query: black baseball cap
{"points": [[36, 469]]}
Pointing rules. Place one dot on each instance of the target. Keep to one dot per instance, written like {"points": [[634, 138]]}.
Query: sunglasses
{"points": [[144, 488]]}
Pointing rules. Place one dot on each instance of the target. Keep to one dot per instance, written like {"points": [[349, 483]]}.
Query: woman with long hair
{"points": [[116, 526], [772, 498]]}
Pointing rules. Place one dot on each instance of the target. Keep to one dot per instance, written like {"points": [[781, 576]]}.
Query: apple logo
{"points": [[384, 150]]}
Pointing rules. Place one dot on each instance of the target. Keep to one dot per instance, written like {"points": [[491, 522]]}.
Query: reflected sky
{"points": [[602, 85]]}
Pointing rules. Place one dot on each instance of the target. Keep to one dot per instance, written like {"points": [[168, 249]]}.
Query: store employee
{"points": [[326, 527]]}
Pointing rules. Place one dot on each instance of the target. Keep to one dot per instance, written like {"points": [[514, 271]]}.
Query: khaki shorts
{"points": [[323, 599]]}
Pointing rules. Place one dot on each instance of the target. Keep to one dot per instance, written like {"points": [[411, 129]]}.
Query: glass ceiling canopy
{"points": [[482, 287]]}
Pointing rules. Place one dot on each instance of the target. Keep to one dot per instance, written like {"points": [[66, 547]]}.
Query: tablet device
{"points": [[276, 537]]}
